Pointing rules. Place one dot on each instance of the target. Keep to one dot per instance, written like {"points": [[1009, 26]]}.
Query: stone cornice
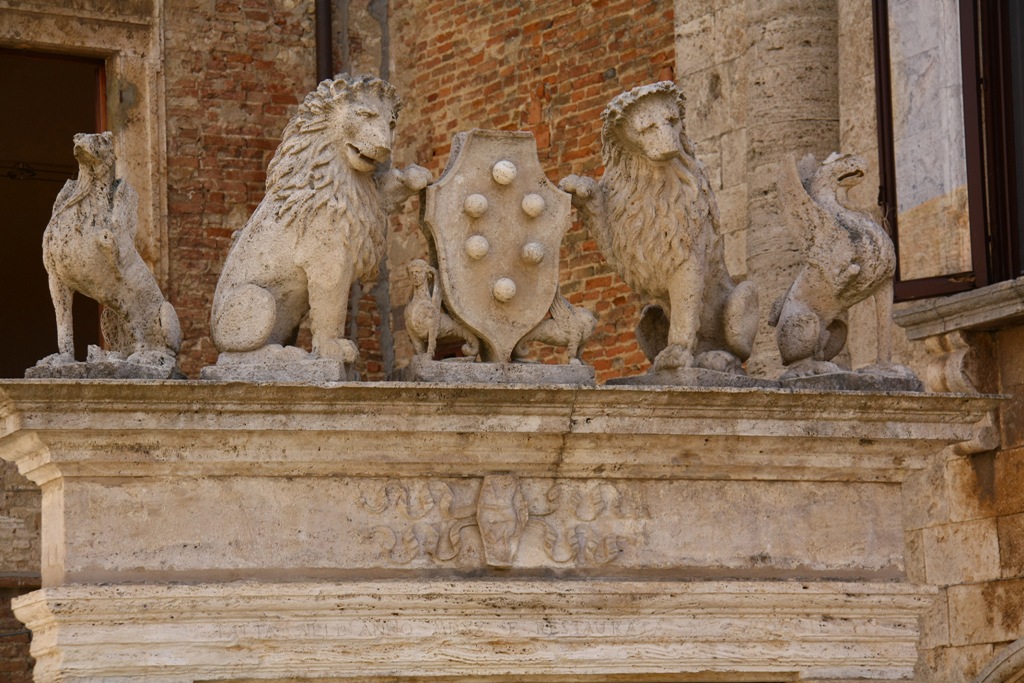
{"points": [[139, 428]]}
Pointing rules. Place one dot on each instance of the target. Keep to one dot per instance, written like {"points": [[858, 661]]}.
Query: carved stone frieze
{"points": [[512, 521]]}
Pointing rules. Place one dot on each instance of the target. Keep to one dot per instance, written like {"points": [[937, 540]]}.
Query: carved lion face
{"points": [[653, 126], [366, 125]]}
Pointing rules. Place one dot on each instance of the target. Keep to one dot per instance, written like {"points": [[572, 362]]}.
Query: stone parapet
{"points": [[193, 529]]}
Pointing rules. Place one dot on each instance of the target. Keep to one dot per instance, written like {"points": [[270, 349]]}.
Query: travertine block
{"points": [[952, 664], [962, 552], [1011, 545], [991, 612]]}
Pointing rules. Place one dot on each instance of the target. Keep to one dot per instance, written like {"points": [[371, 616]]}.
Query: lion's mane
{"points": [[309, 174], [654, 212]]}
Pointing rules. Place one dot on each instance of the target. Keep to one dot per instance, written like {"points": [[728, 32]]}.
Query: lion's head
{"points": [[646, 121], [658, 196], [338, 137]]}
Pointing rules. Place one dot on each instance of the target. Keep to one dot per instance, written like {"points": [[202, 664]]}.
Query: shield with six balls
{"points": [[497, 224]]}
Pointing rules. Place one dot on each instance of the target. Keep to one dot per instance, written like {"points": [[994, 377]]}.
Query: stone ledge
{"points": [[988, 308], [261, 631], [154, 428]]}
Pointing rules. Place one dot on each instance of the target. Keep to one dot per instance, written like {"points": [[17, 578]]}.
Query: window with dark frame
{"points": [[961, 228]]}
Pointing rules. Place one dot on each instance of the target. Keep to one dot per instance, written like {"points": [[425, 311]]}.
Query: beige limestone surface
{"points": [[231, 531]]}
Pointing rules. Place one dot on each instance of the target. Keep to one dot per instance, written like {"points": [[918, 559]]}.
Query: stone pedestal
{"points": [[240, 532]]}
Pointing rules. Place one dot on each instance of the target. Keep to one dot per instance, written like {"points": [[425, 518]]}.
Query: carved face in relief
{"points": [[653, 126], [366, 124]]}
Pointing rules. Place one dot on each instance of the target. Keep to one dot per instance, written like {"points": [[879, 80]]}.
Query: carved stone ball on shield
{"points": [[497, 225]]}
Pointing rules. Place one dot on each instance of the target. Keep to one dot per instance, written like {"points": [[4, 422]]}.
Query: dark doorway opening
{"points": [[44, 99]]}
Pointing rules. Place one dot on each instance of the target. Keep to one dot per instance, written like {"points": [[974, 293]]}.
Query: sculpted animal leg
{"points": [[63, 296], [739, 320], [329, 284], [245, 319], [685, 289], [798, 333], [883, 317]]}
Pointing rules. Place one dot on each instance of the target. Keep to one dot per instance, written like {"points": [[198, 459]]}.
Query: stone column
{"points": [[793, 108]]}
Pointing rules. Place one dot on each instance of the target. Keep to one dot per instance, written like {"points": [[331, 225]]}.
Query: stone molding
{"points": [[270, 631], [987, 308], [155, 428]]}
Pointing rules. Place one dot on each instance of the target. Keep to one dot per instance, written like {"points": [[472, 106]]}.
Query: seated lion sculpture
{"points": [[321, 225], [655, 219]]}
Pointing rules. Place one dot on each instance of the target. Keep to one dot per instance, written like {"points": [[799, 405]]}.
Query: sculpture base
{"points": [[694, 377], [864, 379], [423, 369], [105, 365], [277, 363]]}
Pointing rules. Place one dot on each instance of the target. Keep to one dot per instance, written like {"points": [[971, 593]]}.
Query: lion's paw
{"points": [[415, 178], [672, 357], [336, 349], [581, 188]]}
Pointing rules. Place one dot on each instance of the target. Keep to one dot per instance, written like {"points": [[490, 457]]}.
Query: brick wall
{"points": [[546, 67], [235, 71], [15, 661]]}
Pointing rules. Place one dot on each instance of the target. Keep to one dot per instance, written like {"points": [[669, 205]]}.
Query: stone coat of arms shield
{"points": [[497, 225]]}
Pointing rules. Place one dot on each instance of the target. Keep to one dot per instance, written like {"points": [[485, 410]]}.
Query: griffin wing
{"points": [[804, 215]]}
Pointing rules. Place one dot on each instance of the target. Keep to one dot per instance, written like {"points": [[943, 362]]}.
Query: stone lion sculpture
{"points": [[655, 219], [89, 247], [848, 257], [321, 225]]}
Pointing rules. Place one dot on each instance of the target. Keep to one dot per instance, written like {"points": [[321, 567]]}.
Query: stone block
{"points": [[1009, 350], [1011, 545], [695, 45], [1009, 482], [734, 160], [952, 664], [962, 552], [730, 33], [991, 612], [925, 500], [935, 623], [914, 556], [970, 486]]}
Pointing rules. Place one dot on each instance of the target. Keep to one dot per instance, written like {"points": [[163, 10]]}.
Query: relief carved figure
{"points": [[581, 522], [321, 225], [655, 219], [848, 257], [89, 247]]}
